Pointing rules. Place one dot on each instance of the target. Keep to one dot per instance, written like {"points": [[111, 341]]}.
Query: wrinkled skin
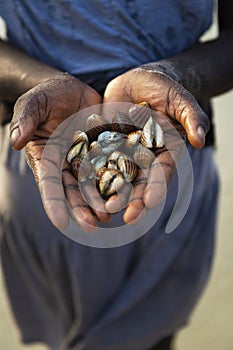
{"points": [[178, 113], [38, 112]]}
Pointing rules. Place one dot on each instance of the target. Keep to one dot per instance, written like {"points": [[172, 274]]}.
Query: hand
{"points": [[176, 110], [37, 114]]}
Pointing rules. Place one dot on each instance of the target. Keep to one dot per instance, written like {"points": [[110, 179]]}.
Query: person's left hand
{"points": [[178, 114]]}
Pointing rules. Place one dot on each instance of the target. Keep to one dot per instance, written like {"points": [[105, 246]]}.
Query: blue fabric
{"points": [[125, 298], [96, 36]]}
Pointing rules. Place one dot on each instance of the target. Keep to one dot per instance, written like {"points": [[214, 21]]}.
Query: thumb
{"points": [[183, 107], [25, 121], [193, 119]]}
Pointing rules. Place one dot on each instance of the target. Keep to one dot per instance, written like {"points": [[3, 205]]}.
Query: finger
{"points": [[48, 178], [183, 107], [160, 175], [26, 119], [136, 208], [118, 201], [193, 119], [95, 202], [80, 209]]}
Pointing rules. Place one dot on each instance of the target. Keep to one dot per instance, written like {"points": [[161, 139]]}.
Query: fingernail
{"points": [[14, 136], [201, 133]]}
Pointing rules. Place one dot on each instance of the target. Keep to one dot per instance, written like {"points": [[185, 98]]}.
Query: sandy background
{"points": [[211, 326]]}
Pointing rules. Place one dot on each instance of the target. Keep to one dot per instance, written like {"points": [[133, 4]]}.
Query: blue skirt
{"points": [[72, 296]]}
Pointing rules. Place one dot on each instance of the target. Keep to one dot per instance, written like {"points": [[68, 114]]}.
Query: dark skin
{"points": [[45, 97]]}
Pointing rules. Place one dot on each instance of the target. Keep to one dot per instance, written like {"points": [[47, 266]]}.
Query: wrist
{"points": [[164, 67], [20, 72]]}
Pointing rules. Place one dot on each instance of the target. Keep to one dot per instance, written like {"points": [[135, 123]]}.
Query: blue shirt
{"points": [[97, 39]]}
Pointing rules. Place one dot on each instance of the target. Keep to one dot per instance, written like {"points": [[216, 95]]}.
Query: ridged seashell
{"points": [[140, 113], [143, 156], [110, 141], [113, 159], [95, 125], [79, 136], [77, 150], [99, 173], [159, 136], [82, 169], [99, 162], [127, 167], [148, 133], [110, 182], [132, 139], [95, 150], [122, 123]]}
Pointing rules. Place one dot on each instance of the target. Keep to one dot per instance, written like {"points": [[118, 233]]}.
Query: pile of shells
{"points": [[111, 154]]}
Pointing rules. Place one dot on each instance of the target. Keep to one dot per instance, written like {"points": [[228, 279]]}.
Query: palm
{"points": [[37, 115], [179, 115]]}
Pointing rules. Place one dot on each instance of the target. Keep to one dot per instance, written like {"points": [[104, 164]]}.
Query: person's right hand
{"points": [[37, 114]]}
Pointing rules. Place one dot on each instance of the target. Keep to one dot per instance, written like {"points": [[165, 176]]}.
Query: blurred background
{"points": [[210, 326]]}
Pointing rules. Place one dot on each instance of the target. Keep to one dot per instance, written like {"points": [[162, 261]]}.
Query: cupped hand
{"points": [[180, 116], [37, 114]]}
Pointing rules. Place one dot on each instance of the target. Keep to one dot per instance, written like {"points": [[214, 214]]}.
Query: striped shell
{"points": [[77, 150], [95, 150], [143, 156], [128, 167], [120, 161], [110, 182], [82, 169], [122, 123], [140, 113], [159, 136], [132, 139], [148, 133], [95, 125], [79, 136]]}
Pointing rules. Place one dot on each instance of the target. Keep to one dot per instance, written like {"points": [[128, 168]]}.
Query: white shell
{"points": [[79, 136], [77, 150], [143, 156], [110, 182], [128, 167], [110, 141], [148, 133], [159, 136]]}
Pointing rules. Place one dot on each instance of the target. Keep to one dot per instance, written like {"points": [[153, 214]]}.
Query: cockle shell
{"points": [[79, 136], [148, 133], [113, 159], [95, 125], [110, 141], [82, 169], [112, 153], [128, 167], [159, 136], [120, 161], [140, 113], [99, 173], [143, 156], [122, 123], [77, 150], [95, 150], [110, 182], [132, 139]]}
